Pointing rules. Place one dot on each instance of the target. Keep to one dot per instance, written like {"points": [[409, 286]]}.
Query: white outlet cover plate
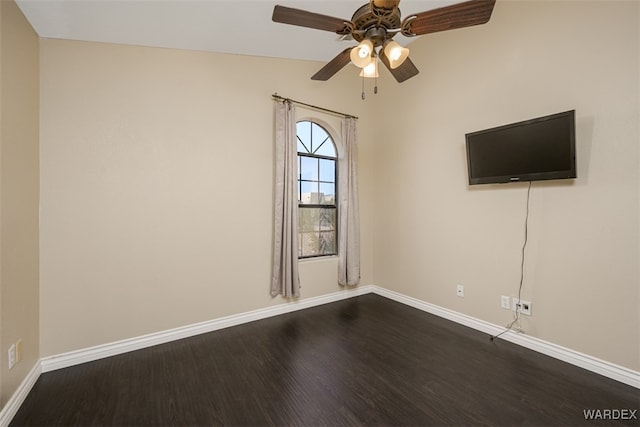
{"points": [[12, 356], [505, 302]]}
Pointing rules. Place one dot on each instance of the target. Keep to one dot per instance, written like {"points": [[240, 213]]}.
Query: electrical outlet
{"points": [[505, 302], [12, 356], [522, 306], [19, 350], [460, 291]]}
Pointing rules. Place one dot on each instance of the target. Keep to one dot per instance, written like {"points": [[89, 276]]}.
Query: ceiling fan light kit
{"points": [[374, 25]]}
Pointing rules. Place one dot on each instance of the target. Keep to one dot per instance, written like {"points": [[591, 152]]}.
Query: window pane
{"points": [[301, 148], [310, 193], [327, 194], [318, 136], [307, 219], [303, 130], [327, 170], [317, 230], [309, 245], [326, 149], [309, 187], [307, 228], [326, 219], [308, 168], [327, 243]]}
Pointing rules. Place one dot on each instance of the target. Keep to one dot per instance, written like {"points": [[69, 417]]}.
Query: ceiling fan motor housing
{"points": [[373, 24]]}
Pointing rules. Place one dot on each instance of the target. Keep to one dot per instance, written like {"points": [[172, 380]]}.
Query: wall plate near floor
{"points": [[460, 291], [12, 356], [505, 302], [521, 306], [19, 350]]}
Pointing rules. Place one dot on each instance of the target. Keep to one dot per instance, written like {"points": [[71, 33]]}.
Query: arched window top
{"points": [[314, 139]]}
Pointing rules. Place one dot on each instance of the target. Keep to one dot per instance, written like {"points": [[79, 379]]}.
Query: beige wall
{"points": [[156, 176], [434, 231], [19, 173], [156, 181]]}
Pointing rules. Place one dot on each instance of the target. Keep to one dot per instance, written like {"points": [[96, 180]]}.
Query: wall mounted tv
{"points": [[532, 150]]}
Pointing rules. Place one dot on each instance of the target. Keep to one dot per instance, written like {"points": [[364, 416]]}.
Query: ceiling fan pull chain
{"points": [[375, 79], [363, 88]]}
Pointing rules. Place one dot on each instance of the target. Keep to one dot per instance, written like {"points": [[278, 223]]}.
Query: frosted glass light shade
{"points": [[370, 70], [361, 54], [396, 54]]}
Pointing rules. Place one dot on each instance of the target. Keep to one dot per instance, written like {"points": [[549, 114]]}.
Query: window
{"points": [[317, 203]]}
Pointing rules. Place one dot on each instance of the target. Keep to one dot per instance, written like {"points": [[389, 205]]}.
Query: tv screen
{"points": [[533, 150]]}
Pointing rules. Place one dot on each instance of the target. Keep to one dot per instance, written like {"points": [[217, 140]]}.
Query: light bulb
{"points": [[395, 54]]}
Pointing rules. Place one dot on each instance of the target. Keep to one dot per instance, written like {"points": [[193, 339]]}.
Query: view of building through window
{"points": [[317, 208]]}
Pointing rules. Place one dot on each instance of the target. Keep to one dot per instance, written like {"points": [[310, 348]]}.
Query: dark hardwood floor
{"points": [[363, 361]]}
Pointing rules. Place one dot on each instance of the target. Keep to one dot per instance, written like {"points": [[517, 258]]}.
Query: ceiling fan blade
{"points": [[303, 18], [467, 14], [403, 72], [333, 66]]}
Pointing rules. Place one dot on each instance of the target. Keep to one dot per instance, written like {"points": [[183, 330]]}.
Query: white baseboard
{"points": [[607, 369], [77, 357], [51, 363], [11, 408], [590, 363]]}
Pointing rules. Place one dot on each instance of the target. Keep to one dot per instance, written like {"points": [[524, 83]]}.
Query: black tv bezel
{"points": [[538, 176]]}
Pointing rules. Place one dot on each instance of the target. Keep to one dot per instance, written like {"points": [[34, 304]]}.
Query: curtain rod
{"points": [[280, 98]]}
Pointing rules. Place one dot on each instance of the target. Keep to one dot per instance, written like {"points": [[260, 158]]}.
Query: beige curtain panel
{"points": [[285, 280], [349, 226]]}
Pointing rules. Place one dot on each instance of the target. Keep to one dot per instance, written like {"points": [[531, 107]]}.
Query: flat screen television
{"points": [[532, 150]]}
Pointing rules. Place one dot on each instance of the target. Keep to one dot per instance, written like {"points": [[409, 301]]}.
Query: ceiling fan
{"points": [[375, 24]]}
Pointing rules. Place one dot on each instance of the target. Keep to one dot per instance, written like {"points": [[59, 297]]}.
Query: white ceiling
{"points": [[237, 26]]}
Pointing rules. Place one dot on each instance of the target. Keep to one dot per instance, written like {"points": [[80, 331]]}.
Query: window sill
{"points": [[318, 259]]}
